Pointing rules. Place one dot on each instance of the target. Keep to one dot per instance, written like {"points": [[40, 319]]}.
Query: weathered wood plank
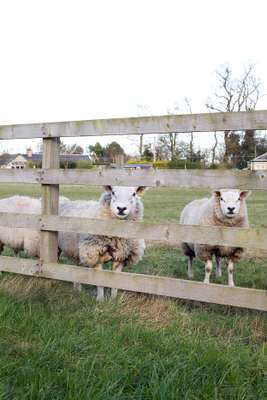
{"points": [[154, 178], [50, 201], [16, 220], [168, 232], [164, 232], [20, 175], [140, 125], [156, 285]]}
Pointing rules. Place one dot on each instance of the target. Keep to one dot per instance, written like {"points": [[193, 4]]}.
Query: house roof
{"points": [[262, 157], [37, 157]]}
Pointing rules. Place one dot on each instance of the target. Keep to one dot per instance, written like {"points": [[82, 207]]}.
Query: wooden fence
{"points": [[49, 223]]}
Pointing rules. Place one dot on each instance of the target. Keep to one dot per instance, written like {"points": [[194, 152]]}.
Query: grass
{"points": [[58, 344]]}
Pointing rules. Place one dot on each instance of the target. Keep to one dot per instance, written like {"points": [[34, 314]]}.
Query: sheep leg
{"points": [[208, 269], [77, 286], [230, 269], [99, 289], [190, 271], [116, 266], [218, 267]]}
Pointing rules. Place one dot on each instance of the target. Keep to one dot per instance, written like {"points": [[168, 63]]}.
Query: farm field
{"points": [[59, 344]]}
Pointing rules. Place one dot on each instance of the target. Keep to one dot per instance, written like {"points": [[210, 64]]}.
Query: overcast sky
{"points": [[86, 59]]}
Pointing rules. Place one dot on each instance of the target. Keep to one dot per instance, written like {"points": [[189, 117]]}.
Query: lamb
{"points": [[227, 208], [93, 250]]}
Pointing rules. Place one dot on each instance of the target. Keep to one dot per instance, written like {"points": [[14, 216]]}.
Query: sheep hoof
{"points": [[100, 293], [218, 274], [114, 293]]}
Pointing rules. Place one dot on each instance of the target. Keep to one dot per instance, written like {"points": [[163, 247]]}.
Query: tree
{"points": [[248, 147], [112, 150], [74, 149], [148, 153], [191, 143], [234, 94], [260, 145], [65, 149], [214, 148], [96, 151], [142, 111]]}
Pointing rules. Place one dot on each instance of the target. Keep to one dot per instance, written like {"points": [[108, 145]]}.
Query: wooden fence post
{"points": [[50, 201]]}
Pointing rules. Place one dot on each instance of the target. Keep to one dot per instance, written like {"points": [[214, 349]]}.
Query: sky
{"points": [[85, 59]]}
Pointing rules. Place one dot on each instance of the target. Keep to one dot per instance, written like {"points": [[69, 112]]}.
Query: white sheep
{"points": [[20, 238], [89, 250], [226, 208], [93, 250]]}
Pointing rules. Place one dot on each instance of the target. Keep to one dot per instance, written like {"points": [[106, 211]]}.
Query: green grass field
{"points": [[59, 344]]}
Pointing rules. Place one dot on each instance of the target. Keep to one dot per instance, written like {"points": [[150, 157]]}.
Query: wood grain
{"points": [[204, 122], [156, 285]]}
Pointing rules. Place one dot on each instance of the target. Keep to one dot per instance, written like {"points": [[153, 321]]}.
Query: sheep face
{"points": [[123, 200], [230, 201]]}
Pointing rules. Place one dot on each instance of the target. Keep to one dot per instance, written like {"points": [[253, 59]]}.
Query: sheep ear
{"points": [[244, 194], [216, 193], [105, 199], [108, 188], [141, 190]]}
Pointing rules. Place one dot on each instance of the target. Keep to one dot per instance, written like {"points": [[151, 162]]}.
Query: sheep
{"points": [[88, 250], [20, 238], [93, 250], [227, 208]]}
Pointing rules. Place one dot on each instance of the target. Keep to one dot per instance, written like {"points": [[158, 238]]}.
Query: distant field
{"points": [[58, 344]]}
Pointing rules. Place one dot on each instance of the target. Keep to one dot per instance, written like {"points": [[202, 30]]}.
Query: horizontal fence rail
{"points": [[204, 122], [153, 178], [162, 286], [50, 223], [168, 232]]}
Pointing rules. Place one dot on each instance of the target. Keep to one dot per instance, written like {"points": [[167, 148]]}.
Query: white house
{"points": [[259, 163]]}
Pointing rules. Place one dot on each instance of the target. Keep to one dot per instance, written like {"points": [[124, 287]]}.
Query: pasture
{"points": [[55, 343]]}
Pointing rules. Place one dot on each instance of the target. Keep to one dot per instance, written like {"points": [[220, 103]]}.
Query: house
{"points": [[21, 161], [259, 163]]}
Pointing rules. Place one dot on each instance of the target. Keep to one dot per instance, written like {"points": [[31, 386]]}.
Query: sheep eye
{"points": [[221, 199], [134, 194], [113, 193]]}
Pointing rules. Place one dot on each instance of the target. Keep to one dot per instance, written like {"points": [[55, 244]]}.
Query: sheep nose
{"points": [[121, 209], [231, 209]]}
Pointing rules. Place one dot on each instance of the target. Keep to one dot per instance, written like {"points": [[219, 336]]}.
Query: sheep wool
{"points": [[226, 208]]}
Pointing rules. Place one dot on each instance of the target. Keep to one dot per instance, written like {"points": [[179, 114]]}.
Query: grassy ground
{"points": [[57, 344]]}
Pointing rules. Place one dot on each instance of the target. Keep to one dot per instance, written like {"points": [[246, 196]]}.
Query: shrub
{"points": [[178, 164], [161, 164], [83, 164], [68, 164], [29, 164], [135, 161]]}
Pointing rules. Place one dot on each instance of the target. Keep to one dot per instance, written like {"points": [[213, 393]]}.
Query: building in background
{"points": [[34, 160], [259, 163]]}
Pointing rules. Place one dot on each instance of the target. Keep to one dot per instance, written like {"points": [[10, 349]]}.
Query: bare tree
{"points": [[138, 141], [191, 143], [234, 94], [213, 150]]}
